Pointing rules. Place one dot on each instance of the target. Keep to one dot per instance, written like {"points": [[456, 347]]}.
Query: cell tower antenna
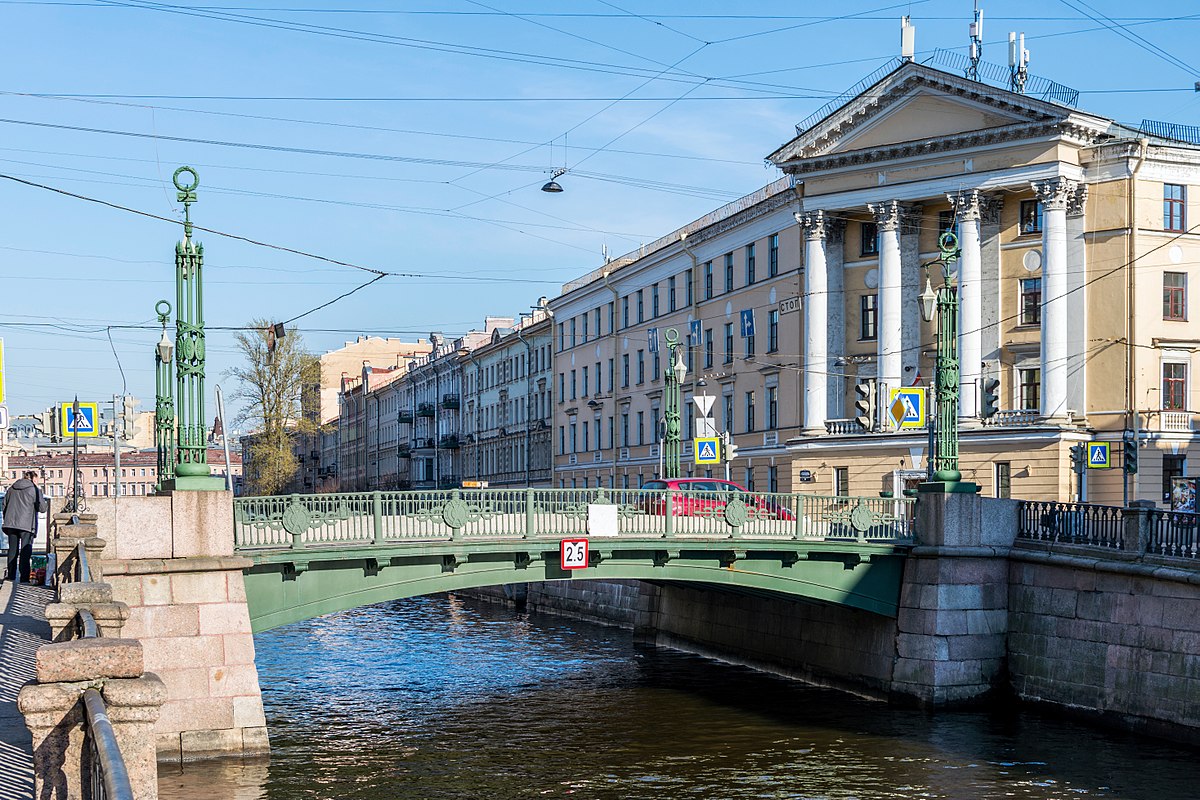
{"points": [[1018, 63], [976, 43], [908, 38]]}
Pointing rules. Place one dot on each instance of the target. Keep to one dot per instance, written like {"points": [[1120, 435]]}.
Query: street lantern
{"points": [[680, 369], [944, 300], [164, 405], [553, 186]]}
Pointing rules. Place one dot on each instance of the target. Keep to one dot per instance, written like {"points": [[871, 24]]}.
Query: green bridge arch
{"points": [[320, 554]]}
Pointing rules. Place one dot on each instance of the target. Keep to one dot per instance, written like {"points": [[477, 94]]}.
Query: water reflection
{"points": [[432, 698]]}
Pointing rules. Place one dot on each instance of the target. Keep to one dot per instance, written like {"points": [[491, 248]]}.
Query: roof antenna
{"points": [[908, 38], [976, 43], [1018, 63]]}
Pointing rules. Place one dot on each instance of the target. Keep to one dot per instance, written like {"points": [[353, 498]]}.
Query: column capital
{"points": [[1059, 194], [892, 215], [971, 205], [819, 225]]}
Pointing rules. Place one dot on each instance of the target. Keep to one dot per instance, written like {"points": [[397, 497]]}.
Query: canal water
{"points": [[436, 698]]}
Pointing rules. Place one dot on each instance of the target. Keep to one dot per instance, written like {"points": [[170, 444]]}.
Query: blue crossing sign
{"points": [[906, 407], [1098, 455], [708, 451], [85, 421]]}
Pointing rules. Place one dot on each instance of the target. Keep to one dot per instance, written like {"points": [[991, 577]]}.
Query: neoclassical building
{"points": [[1073, 283]]}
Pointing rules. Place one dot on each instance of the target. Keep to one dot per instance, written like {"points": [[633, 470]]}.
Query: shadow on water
{"points": [[435, 698]]}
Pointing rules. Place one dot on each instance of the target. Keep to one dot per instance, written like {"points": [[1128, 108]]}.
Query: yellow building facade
{"points": [[1073, 281]]}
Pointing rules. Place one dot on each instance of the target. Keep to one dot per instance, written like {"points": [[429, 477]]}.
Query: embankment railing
{"points": [[1150, 531], [379, 518]]}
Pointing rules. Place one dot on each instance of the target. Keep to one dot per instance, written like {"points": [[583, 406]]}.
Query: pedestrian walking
{"points": [[22, 503]]}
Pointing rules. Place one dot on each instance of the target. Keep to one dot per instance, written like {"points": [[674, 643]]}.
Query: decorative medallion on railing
{"points": [[456, 512], [296, 519], [736, 513]]}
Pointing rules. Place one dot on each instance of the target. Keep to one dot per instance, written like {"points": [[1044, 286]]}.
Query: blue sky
{"points": [[437, 123]]}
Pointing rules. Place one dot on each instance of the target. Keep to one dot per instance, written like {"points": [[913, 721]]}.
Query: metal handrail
{"points": [[109, 775], [83, 573], [87, 624]]}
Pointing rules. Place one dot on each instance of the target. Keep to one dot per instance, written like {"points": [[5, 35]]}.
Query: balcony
{"points": [[1175, 422], [425, 410], [405, 417], [404, 451], [449, 441], [451, 402], [425, 444], [448, 482], [1013, 418], [843, 426]]}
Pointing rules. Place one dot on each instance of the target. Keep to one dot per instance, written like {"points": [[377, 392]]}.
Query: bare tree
{"points": [[271, 386]]}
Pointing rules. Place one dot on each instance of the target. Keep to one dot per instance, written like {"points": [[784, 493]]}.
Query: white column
{"points": [[889, 333], [815, 305], [966, 205], [1055, 195]]}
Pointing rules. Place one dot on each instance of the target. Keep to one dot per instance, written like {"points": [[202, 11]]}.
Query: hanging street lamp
{"points": [[941, 302], [671, 413], [164, 400]]}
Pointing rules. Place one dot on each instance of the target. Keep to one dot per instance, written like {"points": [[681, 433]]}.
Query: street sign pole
{"points": [[75, 456], [116, 436]]}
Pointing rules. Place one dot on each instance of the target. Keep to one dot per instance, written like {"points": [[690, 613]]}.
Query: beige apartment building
{"points": [[1073, 282]]}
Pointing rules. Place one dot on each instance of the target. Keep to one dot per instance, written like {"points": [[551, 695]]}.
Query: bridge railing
{"points": [[1073, 523], [381, 518], [1174, 533]]}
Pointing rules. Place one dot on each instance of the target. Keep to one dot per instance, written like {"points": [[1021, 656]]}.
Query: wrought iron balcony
{"points": [[425, 410], [450, 401], [449, 441], [405, 416], [404, 451], [448, 482]]}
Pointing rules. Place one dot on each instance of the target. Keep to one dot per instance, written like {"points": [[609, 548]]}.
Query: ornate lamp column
{"points": [[671, 414], [946, 476], [164, 400], [191, 467]]}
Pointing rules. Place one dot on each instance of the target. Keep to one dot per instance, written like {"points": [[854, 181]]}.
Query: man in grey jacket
{"points": [[22, 503]]}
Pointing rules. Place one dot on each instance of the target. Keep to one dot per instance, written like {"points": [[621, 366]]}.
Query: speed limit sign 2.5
{"points": [[573, 553]]}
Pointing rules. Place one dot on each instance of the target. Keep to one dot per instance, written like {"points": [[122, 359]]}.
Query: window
{"points": [[654, 301], [1173, 467], [749, 479], [599, 330], [612, 318], [750, 264], [671, 293], [1174, 386], [947, 221], [841, 481], [610, 374], [641, 427], [868, 238], [625, 311], [868, 317], [1174, 202], [562, 393], [708, 280], [728, 342], [585, 381], [610, 433], [641, 367], [1030, 220], [749, 412], [749, 346], [573, 384], [1031, 301], [772, 479], [641, 305], [574, 438], [625, 369], [584, 320], [585, 437], [573, 339], [772, 408], [655, 367], [1030, 389], [624, 429], [773, 255], [727, 413], [1175, 295], [1003, 475], [599, 380], [772, 330], [687, 288], [708, 348], [562, 339], [729, 272]]}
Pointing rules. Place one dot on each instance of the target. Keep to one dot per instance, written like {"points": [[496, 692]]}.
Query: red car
{"points": [[702, 497]]}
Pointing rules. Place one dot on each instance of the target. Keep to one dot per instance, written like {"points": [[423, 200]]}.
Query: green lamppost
{"points": [[191, 464], [944, 303], [671, 413], [164, 399]]}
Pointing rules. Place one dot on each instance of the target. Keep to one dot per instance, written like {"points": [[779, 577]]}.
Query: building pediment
{"points": [[918, 104]]}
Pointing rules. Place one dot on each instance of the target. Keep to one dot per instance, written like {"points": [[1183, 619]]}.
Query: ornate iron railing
{"points": [[1073, 523], [1174, 533], [379, 518]]}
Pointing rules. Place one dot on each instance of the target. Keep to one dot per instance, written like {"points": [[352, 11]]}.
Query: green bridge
{"points": [[317, 554]]}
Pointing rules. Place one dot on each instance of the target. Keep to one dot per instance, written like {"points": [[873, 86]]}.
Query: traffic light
{"points": [[728, 448], [1131, 457], [991, 397], [865, 404], [1079, 457]]}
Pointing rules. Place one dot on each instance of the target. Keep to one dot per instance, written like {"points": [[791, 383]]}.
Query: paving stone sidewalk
{"points": [[23, 630]]}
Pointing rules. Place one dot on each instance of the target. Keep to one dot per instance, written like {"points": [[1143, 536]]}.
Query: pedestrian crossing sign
{"points": [[708, 451], [906, 407], [84, 421], [1098, 455]]}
